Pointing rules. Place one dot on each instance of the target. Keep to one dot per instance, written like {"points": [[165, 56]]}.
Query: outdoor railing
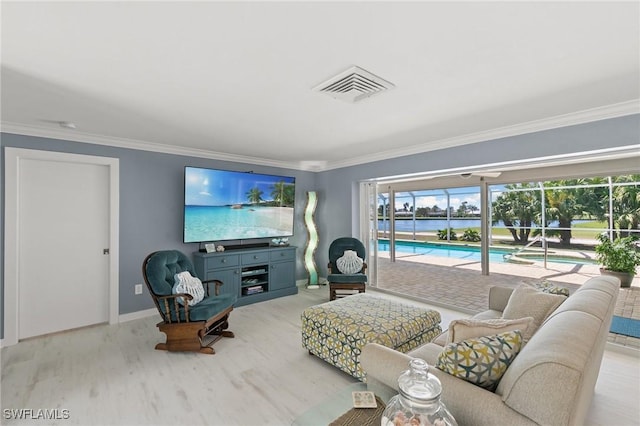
{"points": [[544, 245]]}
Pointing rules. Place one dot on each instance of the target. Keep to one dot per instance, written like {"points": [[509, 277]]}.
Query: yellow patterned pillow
{"points": [[481, 360]]}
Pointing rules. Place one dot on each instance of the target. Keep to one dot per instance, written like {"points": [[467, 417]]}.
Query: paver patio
{"points": [[459, 284]]}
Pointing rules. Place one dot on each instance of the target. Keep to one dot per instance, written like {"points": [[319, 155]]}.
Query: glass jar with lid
{"points": [[418, 403]]}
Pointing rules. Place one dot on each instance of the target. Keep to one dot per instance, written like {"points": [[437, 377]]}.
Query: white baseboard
{"points": [[613, 347], [138, 315], [122, 318], [303, 283]]}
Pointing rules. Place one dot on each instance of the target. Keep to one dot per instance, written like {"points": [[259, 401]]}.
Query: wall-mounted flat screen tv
{"points": [[222, 205]]}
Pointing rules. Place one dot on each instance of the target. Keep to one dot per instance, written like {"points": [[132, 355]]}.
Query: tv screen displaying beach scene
{"points": [[222, 205]]}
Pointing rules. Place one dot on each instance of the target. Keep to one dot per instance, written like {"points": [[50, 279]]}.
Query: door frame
{"points": [[368, 193], [13, 157]]}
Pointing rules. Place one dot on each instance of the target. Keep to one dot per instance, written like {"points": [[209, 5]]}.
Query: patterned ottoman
{"points": [[337, 331]]}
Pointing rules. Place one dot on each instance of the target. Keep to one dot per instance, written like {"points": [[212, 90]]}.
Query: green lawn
{"points": [[583, 231]]}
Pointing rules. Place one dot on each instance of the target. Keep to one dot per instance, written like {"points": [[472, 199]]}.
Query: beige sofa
{"points": [[550, 382]]}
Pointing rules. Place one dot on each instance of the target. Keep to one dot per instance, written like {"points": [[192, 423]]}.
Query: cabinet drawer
{"points": [[277, 255], [255, 258], [222, 261]]}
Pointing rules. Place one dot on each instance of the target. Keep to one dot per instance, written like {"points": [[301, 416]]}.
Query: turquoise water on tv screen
{"points": [[219, 223]]}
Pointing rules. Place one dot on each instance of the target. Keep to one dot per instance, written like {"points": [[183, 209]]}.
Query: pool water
{"points": [[442, 250], [469, 253]]}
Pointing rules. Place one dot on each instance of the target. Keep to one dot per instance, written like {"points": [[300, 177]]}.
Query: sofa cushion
{"points": [[481, 360], [209, 307], [347, 279], [463, 329], [527, 301], [499, 297], [442, 339]]}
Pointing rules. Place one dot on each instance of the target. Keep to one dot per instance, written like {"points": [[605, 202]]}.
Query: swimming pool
{"points": [[442, 250], [469, 253]]}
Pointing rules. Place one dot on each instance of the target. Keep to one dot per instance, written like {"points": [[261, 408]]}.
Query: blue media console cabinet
{"points": [[253, 275]]}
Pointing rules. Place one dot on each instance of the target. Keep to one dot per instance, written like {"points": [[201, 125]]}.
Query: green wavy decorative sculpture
{"points": [[312, 239]]}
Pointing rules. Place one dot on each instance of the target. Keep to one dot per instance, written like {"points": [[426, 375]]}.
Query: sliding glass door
{"points": [[369, 227]]}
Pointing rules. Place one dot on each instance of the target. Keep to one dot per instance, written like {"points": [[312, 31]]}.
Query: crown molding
{"points": [[627, 152], [83, 137], [579, 117]]}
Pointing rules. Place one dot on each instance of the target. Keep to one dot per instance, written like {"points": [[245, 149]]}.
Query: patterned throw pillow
{"points": [[185, 283], [481, 360], [463, 329], [548, 287]]}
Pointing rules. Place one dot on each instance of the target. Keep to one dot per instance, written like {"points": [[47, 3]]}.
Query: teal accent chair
{"points": [[338, 282], [188, 328]]}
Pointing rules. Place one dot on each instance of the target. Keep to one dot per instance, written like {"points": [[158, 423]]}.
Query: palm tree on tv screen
{"points": [[282, 194], [254, 196], [277, 192]]}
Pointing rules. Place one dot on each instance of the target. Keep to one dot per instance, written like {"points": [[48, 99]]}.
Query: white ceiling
{"points": [[234, 80]]}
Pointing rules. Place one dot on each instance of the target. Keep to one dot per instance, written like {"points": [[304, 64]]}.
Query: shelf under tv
{"points": [[245, 246]]}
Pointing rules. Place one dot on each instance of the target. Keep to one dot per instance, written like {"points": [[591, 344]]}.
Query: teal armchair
{"points": [[188, 328], [339, 281]]}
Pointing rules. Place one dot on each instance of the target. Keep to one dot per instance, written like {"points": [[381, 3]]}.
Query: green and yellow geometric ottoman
{"points": [[337, 331]]}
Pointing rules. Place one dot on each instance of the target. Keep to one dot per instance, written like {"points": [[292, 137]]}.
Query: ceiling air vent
{"points": [[353, 85]]}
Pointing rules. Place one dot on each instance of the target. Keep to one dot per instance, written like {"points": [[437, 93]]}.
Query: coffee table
{"points": [[339, 403]]}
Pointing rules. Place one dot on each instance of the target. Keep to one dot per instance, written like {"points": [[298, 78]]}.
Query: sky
{"points": [[210, 187], [429, 198]]}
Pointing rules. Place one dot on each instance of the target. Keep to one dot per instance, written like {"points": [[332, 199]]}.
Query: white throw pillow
{"points": [[186, 283], [349, 263], [527, 301], [468, 328]]}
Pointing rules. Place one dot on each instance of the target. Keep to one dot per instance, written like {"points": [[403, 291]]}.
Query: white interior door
{"points": [[64, 229]]}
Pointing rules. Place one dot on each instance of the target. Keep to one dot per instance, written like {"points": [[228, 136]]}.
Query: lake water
{"points": [[433, 225]]}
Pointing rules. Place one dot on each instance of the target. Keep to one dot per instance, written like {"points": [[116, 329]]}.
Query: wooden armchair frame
{"points": [[182, 333], [334, 288]]}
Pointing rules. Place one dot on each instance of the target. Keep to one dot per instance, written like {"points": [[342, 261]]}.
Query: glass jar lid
{"points": [[418, 384]]}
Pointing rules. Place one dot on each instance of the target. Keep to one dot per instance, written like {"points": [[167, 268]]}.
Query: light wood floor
{"points": [[111, 375]]}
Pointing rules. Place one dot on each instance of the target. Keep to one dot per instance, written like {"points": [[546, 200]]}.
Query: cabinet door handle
{"points": [[223, 260], [255, 257]]}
